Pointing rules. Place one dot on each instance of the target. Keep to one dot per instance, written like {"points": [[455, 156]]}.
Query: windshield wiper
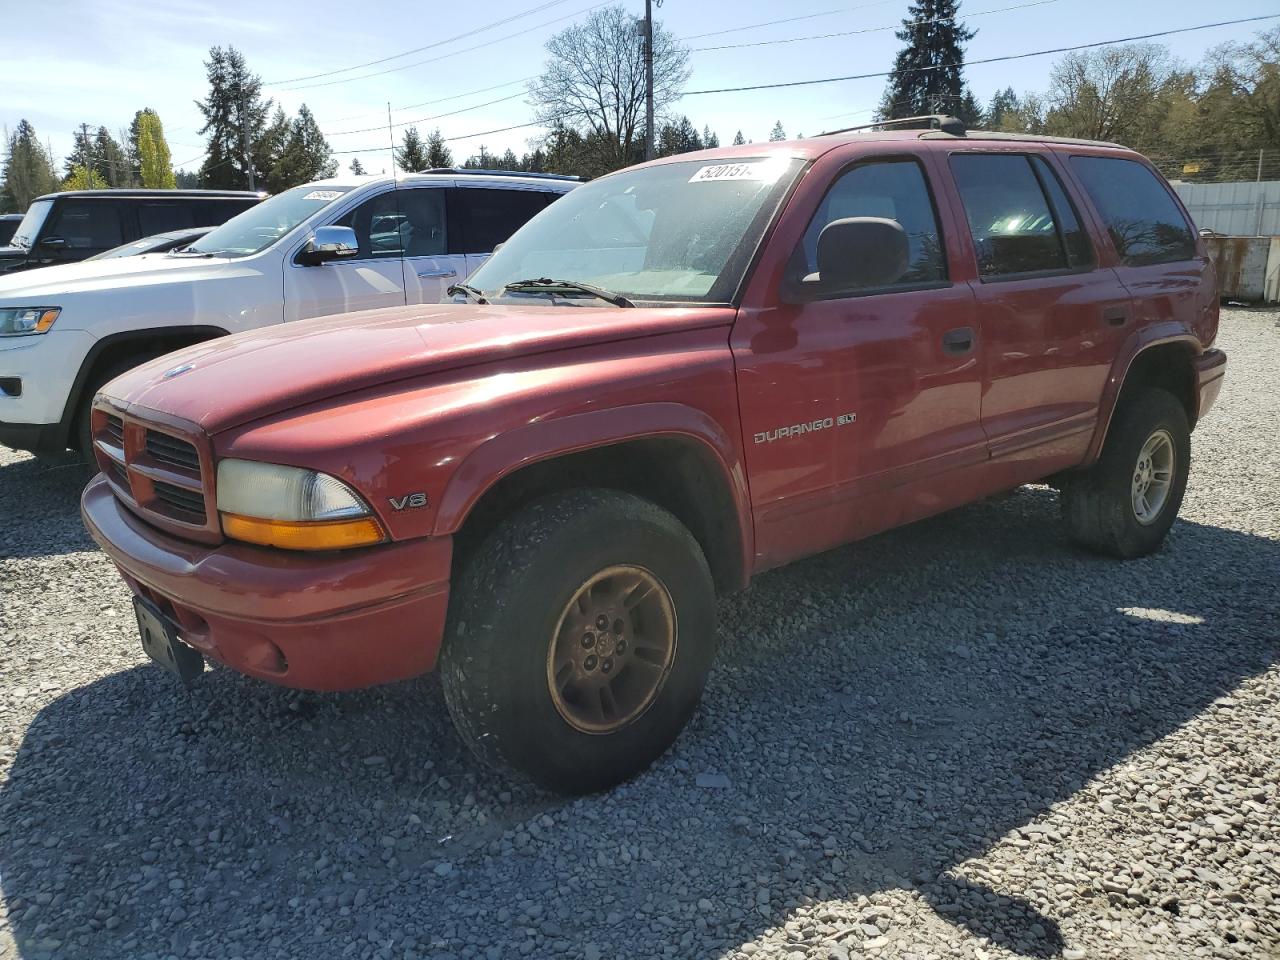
{"points": [[547, 285], [470, 291]]}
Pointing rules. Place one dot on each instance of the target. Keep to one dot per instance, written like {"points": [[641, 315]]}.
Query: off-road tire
{"points": [[505, 608], [1097, 503], [81, 435]]}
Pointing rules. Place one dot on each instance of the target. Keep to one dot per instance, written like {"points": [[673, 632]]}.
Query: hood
{"points": [[95, 276], [224, 383]]}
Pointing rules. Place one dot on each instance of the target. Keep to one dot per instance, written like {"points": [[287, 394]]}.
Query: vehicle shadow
{"points": [[40, 506], [881, 714]]}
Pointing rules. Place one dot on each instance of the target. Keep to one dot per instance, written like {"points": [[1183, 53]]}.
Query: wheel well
{"points": [[1167, 366], [678, 474], [144, 345]]}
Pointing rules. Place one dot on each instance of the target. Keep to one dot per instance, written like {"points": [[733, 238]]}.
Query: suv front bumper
{"points": [[314, 621], [48, 365]]}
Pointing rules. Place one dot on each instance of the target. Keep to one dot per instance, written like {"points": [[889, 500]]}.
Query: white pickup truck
{"points": [[334, 246]]}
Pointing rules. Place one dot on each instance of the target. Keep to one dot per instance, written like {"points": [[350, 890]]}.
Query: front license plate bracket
{"points": [[161, 643]]}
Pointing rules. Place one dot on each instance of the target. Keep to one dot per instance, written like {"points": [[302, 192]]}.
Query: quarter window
{"points": [[1013, 227], [1074, 239], [1145, 224], [891, 189]]}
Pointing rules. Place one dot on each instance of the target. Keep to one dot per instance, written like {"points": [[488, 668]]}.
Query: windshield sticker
{"points": [[323, 195], [766, 170]]}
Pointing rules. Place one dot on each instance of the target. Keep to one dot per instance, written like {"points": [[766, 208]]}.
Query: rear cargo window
{"points": [[1013, 227], [1145, 224]]}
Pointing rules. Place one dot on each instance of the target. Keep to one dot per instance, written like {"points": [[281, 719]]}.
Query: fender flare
{"points": [[543, 440], [200, 334], [1139, 342]]}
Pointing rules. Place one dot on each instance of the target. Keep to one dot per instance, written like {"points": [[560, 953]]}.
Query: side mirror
{"points": [[860, 252], [329, 243]]}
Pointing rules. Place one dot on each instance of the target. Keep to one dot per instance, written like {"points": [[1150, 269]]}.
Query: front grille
{"points": [[178, 453], [121, 476], [181, 500], [115, 429]]}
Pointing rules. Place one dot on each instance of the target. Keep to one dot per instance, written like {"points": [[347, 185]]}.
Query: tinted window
{"points": [[487, 218], [895, 190], [86, 225], [400, 222], [1009, 218], [214, 213], [1078, 248], [7, 228], [1145, 224], [162, 217]]}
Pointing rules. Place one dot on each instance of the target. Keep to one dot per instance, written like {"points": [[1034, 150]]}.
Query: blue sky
{"points": [[97, 62]]}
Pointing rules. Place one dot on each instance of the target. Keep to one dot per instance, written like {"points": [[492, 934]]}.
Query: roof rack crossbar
{"points": [[936, 121], [502, 173]]}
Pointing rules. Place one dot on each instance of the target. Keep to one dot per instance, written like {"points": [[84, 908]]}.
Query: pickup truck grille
{"points": [[160, 472]]}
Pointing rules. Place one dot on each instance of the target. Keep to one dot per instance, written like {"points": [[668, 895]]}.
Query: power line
{"points": [[849, 33], [774, 23], [970, 63], [429, 46], [410, 123], [480, 46], [425, 103]]}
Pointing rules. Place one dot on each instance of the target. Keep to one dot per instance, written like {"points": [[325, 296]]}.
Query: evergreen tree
{"points": [[738, 139], [777, 133], [110, 160], [234, 106], [509, 160], [535, 162], [927, 73], [357, 168], [410, 155], [268, 152], [186, 180], [154, 163], [709, 139], [1002, 102], [438, 152], [28, 171], [970, 111], [306, 155]]}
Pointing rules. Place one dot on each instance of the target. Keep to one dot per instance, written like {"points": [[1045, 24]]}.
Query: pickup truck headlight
{"points": [[24, 321], [293, 508]]}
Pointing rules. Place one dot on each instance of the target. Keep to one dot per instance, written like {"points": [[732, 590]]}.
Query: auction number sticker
{"points": [[766, 170], [323, 195]]}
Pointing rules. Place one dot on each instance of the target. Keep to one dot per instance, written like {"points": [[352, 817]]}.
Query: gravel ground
{"points": [[960, 739]]}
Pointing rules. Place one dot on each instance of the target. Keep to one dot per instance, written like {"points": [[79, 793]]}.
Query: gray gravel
{"points": [[961, 739]]}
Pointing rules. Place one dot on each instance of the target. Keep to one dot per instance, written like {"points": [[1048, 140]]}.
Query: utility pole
{"points": [[86, 155], [244, 139], [648, 79], [391, 136]]}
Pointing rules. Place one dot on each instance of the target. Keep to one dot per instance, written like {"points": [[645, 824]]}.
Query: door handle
{"points": [[958, 341], [1115, 316], [434, 274]]}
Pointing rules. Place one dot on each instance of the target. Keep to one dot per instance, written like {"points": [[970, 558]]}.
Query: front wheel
{"points": [[1125, 504], [580, 636]]}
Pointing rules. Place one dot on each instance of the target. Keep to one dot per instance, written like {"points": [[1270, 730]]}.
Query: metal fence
{"points": [[1240, 209]]}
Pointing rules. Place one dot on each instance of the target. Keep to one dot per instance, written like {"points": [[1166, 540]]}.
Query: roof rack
{"points": [[934, 121], [502, 173]]}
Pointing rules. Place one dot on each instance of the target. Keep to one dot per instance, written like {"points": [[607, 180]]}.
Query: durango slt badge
{"points": [[795, 430]]}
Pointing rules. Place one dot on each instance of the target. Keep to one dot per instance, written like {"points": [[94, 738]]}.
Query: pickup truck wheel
{"points": [[1125, 504], [580, 636]]}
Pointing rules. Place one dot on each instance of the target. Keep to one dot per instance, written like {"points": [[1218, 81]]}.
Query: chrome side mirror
{"points": [[329, 243]]}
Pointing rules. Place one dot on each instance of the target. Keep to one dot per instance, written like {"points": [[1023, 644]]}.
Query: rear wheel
{"points": [[1125, 504], [580, 637]]}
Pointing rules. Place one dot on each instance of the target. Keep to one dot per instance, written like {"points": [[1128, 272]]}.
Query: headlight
{"points": [[293, 508], [21, 321]]}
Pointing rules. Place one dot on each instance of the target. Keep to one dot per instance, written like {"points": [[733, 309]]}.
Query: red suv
{"points": [[673, 378]]}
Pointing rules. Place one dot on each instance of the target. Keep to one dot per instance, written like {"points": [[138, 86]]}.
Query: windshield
{"points": [[30, 226], [679, 232], [262, 225]]}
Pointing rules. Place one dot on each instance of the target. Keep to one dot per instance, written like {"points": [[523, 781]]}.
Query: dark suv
{"points": [[65, 227]]}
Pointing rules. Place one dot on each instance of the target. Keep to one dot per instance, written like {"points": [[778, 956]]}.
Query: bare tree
{"points": [[1108, 94], [593, 80]]}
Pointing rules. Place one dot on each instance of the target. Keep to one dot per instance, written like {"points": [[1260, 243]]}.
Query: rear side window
{"points": [[397, 223], [87, 225], [1144, 222], [1013, 226], [486, 218], [162, 217], [893, 190]]}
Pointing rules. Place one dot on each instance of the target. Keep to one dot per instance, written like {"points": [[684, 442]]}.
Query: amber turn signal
{"points": [[304, 534]]}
